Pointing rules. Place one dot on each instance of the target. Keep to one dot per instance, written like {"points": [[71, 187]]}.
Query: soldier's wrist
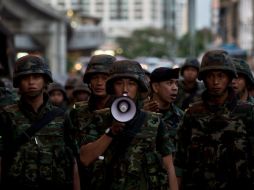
{"points": [[109, 132]]}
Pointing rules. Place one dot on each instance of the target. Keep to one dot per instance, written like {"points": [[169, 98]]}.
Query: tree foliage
{"points": [[202, 39], [147, 42], [161, 43]]}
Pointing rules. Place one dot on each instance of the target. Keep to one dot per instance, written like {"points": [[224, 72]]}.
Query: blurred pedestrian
{"points": [[57, 95], [242, 84], [190, 88], [81, 92]]}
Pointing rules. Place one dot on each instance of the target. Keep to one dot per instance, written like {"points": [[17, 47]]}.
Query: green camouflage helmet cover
{"points": [[30, 64], [217, 60], [190, 62], [98, 64], [57, 86], [242, 67], [127, 69]]}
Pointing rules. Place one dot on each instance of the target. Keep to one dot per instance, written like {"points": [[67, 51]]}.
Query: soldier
{"points": [[244, 80], [80, 115], [164, 86], [57, 95], [215, 138], [190, 88], [33, 150], [69, 86], [131, 154], [81, 92]]}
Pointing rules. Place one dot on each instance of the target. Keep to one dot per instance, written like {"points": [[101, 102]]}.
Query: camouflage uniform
{"points": [[171, 118], [243, 68], [133, 159], [81, 114], [215, 142], [43, 161], [187, 96]]}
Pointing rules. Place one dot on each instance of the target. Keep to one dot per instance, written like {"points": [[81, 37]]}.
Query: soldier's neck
{"points": [[35, 102]]}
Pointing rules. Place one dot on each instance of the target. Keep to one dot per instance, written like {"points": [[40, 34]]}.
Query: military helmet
{"points": [[217, 60], [242, 67], [71, 82], [127, 69], [57, 86], [190, 62], [98, 64], [30, 64], [81, 87]]}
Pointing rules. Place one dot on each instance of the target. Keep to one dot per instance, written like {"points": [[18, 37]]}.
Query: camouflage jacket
{"points": [[45, 160], [171, 119], [133, 160], [215, 145], [186, 97]]}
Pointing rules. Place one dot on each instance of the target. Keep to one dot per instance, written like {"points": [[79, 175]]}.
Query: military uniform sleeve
{"points": [[163, 144], [182, 141]]}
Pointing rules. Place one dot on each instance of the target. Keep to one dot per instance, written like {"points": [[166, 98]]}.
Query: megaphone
{"points": [[123, 109]]}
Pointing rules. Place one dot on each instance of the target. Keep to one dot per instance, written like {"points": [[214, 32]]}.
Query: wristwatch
{"points": [[109, 132]]}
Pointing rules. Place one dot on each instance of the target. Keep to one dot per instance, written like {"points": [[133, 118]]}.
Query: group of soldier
{"points": [[192, 128]]}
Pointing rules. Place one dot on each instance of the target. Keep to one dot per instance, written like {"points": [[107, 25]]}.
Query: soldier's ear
{"points": [[154, 87]]}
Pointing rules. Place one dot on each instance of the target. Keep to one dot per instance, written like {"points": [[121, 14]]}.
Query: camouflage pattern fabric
{"points": [[44, 161], [7, 97], [171, 119], [215, 146], [133, 160], [187, 96]]}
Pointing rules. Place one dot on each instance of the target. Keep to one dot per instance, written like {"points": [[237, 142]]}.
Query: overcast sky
{"points": [[203, 13]]}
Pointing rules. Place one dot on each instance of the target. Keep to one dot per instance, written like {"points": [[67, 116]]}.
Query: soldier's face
{"points": [[56, 97], [217, 82], [190, 74], [126, 85], [98, 84], [32, 85], [166, 91], [239, 84]]}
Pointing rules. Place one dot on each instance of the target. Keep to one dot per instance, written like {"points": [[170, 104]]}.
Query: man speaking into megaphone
{"points": [[134, 152]]}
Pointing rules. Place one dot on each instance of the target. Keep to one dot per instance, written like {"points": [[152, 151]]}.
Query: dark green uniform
{"points": [[215, 142], [133, 160], [171, 118], [214, 146], [187, 96], [44, 160]]}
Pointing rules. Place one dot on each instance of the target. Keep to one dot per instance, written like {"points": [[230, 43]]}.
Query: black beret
{"points": [[164, 73]]}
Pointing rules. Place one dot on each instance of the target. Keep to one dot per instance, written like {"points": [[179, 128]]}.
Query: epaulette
{"points": [[80, 104], [101, 110], [151, 112]]}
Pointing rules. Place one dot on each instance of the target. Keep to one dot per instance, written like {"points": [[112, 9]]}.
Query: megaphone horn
{"points": [[123, 109]]}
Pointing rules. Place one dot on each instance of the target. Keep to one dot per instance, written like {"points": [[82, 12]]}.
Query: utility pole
{"points": [[192, 25]]}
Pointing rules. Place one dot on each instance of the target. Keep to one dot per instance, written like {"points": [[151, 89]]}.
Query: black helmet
{"points": [[30, 64], [129, 69], [217, 60], [98, 64], [81, 87], [243, 67], [190, 62], [57, 86]]}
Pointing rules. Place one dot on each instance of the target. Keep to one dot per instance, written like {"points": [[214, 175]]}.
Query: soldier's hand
{"points": [[117, 127], [151, 106]]}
